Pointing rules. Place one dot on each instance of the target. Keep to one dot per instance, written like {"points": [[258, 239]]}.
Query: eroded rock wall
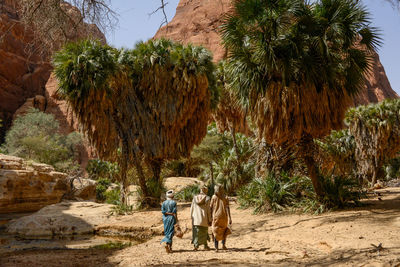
{"points": [[27, 186]]}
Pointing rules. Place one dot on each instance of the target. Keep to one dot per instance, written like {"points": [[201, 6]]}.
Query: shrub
{"points": [[99, 169], [35, 136], [269, 193], [101, 188], [187, 193], [113, 196], [279, 192], [341, 191]]}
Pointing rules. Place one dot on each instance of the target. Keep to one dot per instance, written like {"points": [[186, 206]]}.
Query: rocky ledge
{"points": [[28, 186]]}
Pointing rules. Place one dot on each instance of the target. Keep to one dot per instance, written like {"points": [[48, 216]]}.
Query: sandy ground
{"points": [[341, 238]]}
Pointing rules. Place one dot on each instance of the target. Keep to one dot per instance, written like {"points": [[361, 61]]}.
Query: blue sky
{"points": [[135, 24]]}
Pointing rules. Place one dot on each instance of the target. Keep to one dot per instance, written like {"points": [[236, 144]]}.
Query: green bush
{"points": [[341, 191], [272, 192], [187, 193], [156, 189], [101, 188], [35, 136], [99, 169], [113, 196], [279, 192]]}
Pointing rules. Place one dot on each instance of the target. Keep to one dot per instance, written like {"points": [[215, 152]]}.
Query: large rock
{"points": [[66, 218], [197, 22], [178, 183], [27, 186]]}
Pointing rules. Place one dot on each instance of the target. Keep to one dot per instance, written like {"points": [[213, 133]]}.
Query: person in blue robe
{"points": [[170, 217]]}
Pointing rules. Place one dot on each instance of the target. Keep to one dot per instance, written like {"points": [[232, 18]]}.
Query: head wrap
{"points": [[204, 189], [218, 190], [170, 194]]}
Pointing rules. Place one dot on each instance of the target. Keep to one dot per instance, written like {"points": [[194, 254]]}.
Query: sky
{"points": [[135, 24]]}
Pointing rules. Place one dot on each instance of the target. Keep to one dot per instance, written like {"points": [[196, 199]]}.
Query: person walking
{"points": [[170, 218], [201, 219], [221, 215]]}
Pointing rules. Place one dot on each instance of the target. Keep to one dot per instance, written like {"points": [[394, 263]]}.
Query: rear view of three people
{"points": [[204, 213]]}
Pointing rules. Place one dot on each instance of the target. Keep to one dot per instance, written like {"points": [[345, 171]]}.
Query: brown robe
{"points": [[219, 208]]}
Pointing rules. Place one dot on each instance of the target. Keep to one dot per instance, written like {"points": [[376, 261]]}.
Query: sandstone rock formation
{"points": [[66, 218], [178, 183], [27, 186], [197, 22], [24, 73]]}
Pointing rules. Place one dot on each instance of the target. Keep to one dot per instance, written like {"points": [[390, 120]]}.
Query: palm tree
{"points": [[296, 65], [148, 104], [376, 131], [229, 114]]}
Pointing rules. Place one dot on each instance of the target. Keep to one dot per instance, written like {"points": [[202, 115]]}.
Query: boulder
{"points": [[84, 189], [178, 183], [62, 219], [26, 187]]}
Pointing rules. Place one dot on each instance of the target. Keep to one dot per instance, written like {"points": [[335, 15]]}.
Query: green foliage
{"points": [[392, 169], [376, 129], [338, 152], [341, 191], [101, 187], [35, 136], [281, 192], [187, 193], [237, 165], [113, 245], [266, 194], [113, 196], [294, 41], [99, 169]]}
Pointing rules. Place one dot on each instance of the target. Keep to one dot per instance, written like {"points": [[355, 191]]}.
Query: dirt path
{"points": [[337, 238]]}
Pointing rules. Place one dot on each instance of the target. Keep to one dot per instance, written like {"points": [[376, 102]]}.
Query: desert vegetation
{"points": [[271, 123]]}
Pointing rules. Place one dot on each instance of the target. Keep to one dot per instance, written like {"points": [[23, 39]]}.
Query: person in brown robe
{"points": [[221, 215]]}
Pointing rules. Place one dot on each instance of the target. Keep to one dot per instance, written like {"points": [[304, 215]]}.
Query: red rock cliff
{"points": [[25, 79], [197, 22]]}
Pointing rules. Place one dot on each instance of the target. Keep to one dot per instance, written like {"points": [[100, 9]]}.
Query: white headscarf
{"points": [[170, 194]]}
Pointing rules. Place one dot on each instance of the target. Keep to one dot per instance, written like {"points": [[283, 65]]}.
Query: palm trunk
{"points": [[124, 183], [142, 177], [313, 173], [239, 169], [307, 149], [156, 169], [212, 173]]}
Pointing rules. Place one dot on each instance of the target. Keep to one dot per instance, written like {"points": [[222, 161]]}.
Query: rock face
{"points": [[179, 183], [28, 187], [23, 73], [197, 22], [25, 79]]}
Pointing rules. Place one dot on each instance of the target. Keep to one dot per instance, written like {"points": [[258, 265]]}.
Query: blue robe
{"points": [[169, 221]]}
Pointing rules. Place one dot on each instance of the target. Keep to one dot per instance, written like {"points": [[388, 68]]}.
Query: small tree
{"points": [[376, 129], [35, 136], [151, 103]]}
